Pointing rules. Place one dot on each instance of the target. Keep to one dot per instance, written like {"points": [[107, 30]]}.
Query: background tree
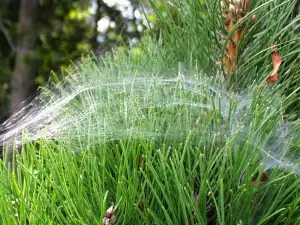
{"points": [[21, 80]]}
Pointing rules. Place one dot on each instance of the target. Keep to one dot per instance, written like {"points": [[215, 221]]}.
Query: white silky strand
{"points": [[102, 108]]}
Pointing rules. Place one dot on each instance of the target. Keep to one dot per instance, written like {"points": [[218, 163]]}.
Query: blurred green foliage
{"points": [[67, 29]]}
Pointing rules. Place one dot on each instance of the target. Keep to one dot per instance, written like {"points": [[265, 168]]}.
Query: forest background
{"points": [[40, 36]]}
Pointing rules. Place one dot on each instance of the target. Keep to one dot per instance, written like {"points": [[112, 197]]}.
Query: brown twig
{"points": [[233, 12]]}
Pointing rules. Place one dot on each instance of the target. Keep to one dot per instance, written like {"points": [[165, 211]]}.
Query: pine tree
{"points": [[199, 125]]}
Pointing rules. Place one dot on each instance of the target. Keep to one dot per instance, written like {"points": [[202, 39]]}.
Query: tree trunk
{"points": [[23, 75]]}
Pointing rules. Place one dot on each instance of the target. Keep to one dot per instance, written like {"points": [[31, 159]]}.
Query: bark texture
{"points": [[23, 75]]}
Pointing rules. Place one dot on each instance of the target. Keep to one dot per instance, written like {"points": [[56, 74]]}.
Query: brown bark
{"points": [[22, 77]]}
